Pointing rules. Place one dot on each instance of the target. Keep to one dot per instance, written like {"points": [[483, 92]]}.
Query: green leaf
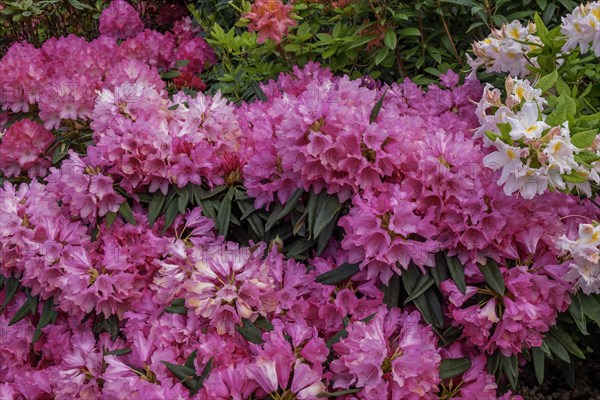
{"points": [[291, 203], [183, 200], [274, 216], [325, 237], [440, 272], [538, 363], [510, 366], [557, 348], [541, 30], [434, 305], [559, 115], [48, 315], [381, 55], [171, 74], [361, 40], [451, 367], [457, 272], [126, 213], [545, 83], [61, 152], [78, 5], [118, 352], [181, 63], [109, 218], [205, 373], [171, 212], [567, 341], [250, 332], [576, 311], [156, 206], [189, 362], [390, 39], [574, 177], [258, 92], [424, 283], [391, 291], [224, 214], [409, 32], [493, 276], [590, 307], [327, 210], [12, 285], [338, 275], [377, 108], [263, 323], [23, 311], [584, 139], [586, 157], [177, 307], [187, 376], [338, 393]]}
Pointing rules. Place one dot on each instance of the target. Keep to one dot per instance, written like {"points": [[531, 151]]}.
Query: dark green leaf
{"points": [[566, 340], [250, 332], [224, 214], [183, 200], [127, 213], [451, 367], [23, 311], [119, 352], [391, 292], [590, 307], [339, 393], [377, 108], [424, 283], [171, 212], [110, 218], [439, 273], [557, 348], [457, 272], [205, 373], [338, 275], [327, 211], [263, 323], [493, 276], [576, 311], [48, 314], [510, 367], [171, 74], [156, 206], [189, 362], [12, 285], [538, 363], [187, 376]]}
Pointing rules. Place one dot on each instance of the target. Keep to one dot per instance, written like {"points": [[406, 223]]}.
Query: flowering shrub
{"points": [[340, 237]]}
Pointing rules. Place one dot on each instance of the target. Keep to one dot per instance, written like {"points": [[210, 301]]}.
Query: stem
{"points": [[456, 55]]}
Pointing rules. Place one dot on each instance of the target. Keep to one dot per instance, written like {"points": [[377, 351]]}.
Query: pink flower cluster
{"points": [[23, 149], [519, 318], [132, 300], [62, 77]]}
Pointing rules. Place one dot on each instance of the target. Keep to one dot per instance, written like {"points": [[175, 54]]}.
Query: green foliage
{"points": [[387, 40]]}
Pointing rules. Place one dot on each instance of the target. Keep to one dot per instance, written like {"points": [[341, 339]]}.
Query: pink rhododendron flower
{"points": [[22, 149], [120, 20]]}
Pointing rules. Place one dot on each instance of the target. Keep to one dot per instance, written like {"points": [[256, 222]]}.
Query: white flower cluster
{"points": [[582, 27], [585, 269], [532, 155], [506, 50]]}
